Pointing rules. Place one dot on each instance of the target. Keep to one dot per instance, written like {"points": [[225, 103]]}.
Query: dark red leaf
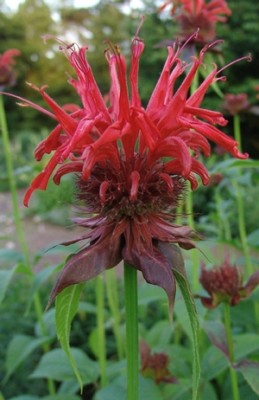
{"points": [[156, 270], [87, 264]]}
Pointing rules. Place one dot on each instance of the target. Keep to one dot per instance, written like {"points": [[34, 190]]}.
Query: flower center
{"points": [[134, 189]]}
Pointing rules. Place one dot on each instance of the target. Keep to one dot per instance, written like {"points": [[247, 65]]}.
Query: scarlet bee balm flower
{"points": [[131, 162], [224, 283], [193, 14], [7, 74]]}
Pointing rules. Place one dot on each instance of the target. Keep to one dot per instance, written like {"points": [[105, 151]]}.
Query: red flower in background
{"points": [[155, 366], [194, 14], [224, 283], [131, 162], [235, 103], [7, 74]]}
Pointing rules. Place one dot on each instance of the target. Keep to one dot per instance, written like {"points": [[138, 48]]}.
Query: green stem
{"points": [[237, 131], [101, 329], [240, 204], [223, 224], [233, 374], [193, 253], [18, 224], [132, 349], [12, 183], [113, 300]]}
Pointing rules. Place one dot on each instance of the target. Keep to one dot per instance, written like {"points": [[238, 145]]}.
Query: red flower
{"points": [[131, 163], [7, 74], [194, 14], [235, 103], [224, 284], [155, 366]]}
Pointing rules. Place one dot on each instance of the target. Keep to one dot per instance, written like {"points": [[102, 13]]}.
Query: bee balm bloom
{"points": [[224, 283], [7, 74], [194, 14], [131, 162]]}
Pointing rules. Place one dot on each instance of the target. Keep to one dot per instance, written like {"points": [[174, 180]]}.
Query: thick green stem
{"points": [[113, 300], [18, 224], [101, 329], [233, 374], [132, 348]]}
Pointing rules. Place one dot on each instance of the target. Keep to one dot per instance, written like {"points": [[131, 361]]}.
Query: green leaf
{"points": [[190, 306], [245, 344], [117, 390], [5, 279], [41, 277], [7, 255], [250, 371], [20, 347], [52, 397], [213, 363], [234, 163], [25, 397], [62, 397], [55, 365], [66, 307]]}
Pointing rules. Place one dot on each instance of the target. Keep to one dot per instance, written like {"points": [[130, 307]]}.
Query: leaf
{"points": [[7, 255], [190, 306], [213, 363], [245, 344], [87, 264], [117, 390], [20, 347], [217, 335], [149, 263], [250, 371], [66, 307], [39, 279], [55, 365], [5, 279], [25, 397], [233, 163], [61, 397]]}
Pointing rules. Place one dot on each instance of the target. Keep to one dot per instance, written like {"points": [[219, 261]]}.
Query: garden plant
{"points": [[152, 299]]}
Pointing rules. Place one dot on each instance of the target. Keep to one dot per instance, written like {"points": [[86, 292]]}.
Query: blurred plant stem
{"points": [[19, 227], [132, 347], [224, 230], [189, 211], [241, 215], [233, 374], [101, 329], [113, 300], [240, 204]]}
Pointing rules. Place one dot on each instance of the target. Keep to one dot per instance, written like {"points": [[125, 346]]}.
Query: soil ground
{"points": [[39, 234]]}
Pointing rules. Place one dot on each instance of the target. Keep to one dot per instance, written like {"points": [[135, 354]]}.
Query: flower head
{"points": [[225, 284], [235, 103], [7, 74], [155, 366], [197, 14], [131, 162]]}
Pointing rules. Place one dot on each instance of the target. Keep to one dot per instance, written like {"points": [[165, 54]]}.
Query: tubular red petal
{"points": [[137, 48], [103, 190], [135, 178]]}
